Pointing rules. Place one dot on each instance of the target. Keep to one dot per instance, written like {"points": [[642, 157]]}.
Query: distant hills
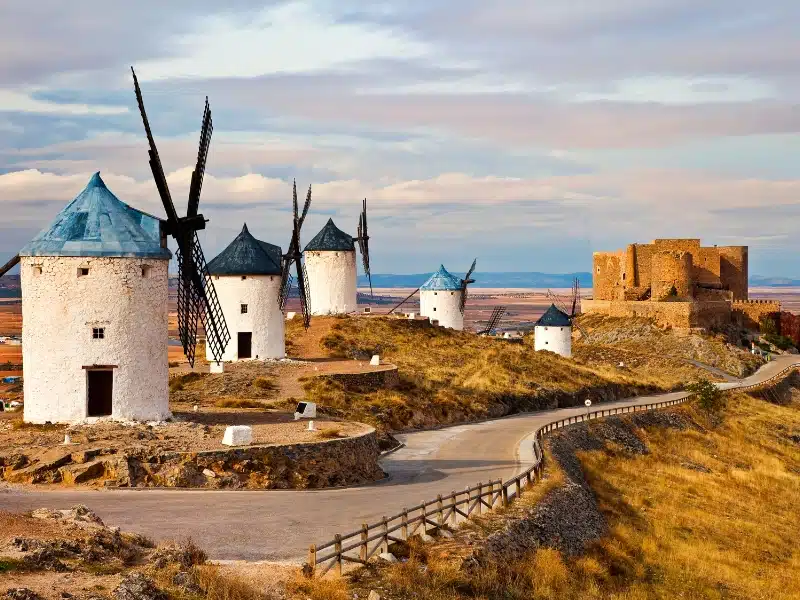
{"points": [[761, 281], [523, 279]]}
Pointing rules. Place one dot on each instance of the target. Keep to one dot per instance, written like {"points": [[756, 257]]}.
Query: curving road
{"points": [[279, 525]]}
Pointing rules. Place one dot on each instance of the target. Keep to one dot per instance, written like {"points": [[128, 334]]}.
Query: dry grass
{"points": [[238, 403], [264, 383], [448, 376], [676, 530], [220, 585], [330, 433], [642, 337]]}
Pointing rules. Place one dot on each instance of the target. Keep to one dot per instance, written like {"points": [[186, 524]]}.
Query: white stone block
{"points": [[411, 316], [237, 435], [290, 315], [387, 557], [216, 367], [376, 360]]}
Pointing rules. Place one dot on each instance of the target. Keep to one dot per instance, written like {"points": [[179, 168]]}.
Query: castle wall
{"points": [[263, 319], [607, 275], [127, 298], [643, 262], [707, 267], [734, 270], [679, 315], [748, 313]]}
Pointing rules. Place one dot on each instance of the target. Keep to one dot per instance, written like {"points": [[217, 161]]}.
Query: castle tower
{"points": [[94, 313], [553, 332], [247, 278], [330, 263], [440, 299], [671, 275]]}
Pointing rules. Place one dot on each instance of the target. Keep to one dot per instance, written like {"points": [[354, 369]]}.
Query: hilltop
{"points": [[451, 376]]}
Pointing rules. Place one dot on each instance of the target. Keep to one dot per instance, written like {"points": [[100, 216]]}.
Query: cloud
{"points": [[11, 101]]}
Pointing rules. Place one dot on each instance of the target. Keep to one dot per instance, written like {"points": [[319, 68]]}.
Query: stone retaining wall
{"points": [[331, 463]]}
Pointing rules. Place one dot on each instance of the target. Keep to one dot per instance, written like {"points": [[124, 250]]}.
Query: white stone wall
{"points": [[555, 339], [332, 282], [442, 305], [264, 318], [59, 311]]}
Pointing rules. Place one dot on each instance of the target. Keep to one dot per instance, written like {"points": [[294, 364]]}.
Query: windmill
{"points": [[295, 255], [497, 314], [464, 283], [197, 299], [363, 243], [572, 311]]}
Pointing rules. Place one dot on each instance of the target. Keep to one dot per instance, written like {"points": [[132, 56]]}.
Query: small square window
{"points": [[598, 269], [83, 271], [435, 293], [244, 309], [244, 277], [98, 333], [434, 309], [37, 269], [145, 270]]}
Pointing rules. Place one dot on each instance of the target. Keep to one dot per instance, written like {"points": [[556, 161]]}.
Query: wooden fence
{"points": [[371, 539]]}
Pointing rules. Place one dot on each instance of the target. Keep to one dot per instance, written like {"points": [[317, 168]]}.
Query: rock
{"points": [[43, 469], [22, 594], [373, 595], [186, 555], [44, 559], [237, 435], [209, 473], [426, 538], [83, 472], [387, 557], [375, 361], [443, 533], [136, 586], [187, 582]]}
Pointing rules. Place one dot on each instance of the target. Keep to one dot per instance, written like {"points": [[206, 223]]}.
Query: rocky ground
{"points": [[72, 554]]}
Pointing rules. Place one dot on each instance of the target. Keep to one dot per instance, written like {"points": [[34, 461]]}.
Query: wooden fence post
{"points": [[505, 495], [469, 500], [424, 518], [519, 487], [454, 514], [480, 498], [312, 559], [404, 526], [440, 516], [337, 548], [364, 544], [385, 529]]}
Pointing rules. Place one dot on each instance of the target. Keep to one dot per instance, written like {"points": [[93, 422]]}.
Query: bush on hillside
{"points": [[709, 396], [780, 341]]}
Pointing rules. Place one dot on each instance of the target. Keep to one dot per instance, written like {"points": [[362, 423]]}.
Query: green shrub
{"points": [[709, 397], [779, 341]]}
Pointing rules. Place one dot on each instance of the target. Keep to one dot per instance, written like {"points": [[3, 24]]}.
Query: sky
{"points": [[528, 134]]}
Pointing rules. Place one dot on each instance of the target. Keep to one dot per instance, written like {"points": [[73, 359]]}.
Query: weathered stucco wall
{"points": [[734, 269], [332, 282], [607, 275], [554, 339], [442, 306], [60, 310], [264, 318]]}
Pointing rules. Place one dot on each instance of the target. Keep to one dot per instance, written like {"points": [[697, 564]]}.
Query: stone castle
{"points": [[678, 283]]}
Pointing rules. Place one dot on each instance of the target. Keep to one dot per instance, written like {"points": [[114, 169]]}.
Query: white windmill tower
{"points": [[247, 277], [553, 330], [330, 264], [443, 297], [94, 301]]}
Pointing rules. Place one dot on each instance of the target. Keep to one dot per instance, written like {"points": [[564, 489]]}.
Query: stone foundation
{"points": [[386, 378], [679, 315]]}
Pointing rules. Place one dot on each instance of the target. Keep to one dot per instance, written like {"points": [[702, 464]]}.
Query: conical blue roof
{"points": [[442, 280], [554, 317], [97, 223], [246, 255], [331, 238]]}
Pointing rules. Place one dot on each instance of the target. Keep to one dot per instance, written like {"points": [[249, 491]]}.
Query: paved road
{"points": [[279, 525]]}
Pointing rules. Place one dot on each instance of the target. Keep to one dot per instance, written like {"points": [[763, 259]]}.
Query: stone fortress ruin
{"points": [[678, 283]]}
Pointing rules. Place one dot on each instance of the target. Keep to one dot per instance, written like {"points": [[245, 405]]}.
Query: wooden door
{"points": [[101, 392], [245, 340]]}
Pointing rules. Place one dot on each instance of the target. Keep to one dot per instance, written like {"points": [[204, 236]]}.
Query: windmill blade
{"points": [[471, 269], [558, 301], [188, 308], [497, 313], [302, 289], [363, 245], [306, 206], [210, 311], [406, 299], [464, 283], [286, 285], [9, 265], [200, 168], [155, 161]]}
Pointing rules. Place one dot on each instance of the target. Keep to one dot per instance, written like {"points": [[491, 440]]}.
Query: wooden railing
{"points": [[361, 545]]}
